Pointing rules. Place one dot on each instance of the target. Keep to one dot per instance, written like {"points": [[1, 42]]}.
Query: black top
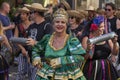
{"points": [[37, 31], [75, 31], [113, 23], [102, 51], [22, 31]]}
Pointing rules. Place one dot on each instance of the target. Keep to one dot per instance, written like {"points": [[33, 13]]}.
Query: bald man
{"points": [[7, 26]]}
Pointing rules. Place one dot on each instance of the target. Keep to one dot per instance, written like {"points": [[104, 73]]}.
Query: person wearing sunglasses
{"points": [[111, 18], [113, 21], [37, 30], [75, 29]]}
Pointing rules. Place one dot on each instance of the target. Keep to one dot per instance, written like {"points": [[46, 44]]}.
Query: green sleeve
{"points": [[39, 48], [71, 59], [75, 51]]}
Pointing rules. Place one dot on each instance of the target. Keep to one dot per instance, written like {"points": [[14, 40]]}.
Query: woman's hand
{"points": [[89, 46], [39, 66], [37, 62], [54, 63]]}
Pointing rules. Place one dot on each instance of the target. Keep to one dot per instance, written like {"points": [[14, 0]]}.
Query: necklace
{"points": [[58, 43]]}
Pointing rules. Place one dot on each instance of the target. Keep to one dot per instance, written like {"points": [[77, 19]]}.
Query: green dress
{"points": [[68, 58]]}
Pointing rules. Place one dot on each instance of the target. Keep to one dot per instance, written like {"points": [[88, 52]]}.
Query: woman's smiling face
{"points": [[59, 25], [100, 29]]}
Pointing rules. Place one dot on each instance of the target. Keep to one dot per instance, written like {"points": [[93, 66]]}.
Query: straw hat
{"points": [[67, 6], [37, 7], [83, 13], [27, 5], [24, 9], [91, 8], [74, 13]]}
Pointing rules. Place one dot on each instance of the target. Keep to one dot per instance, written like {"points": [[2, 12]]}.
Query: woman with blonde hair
{"points": [[62, 53], [3, 63]]}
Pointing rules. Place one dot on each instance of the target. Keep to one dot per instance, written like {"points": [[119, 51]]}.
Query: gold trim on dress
{"points": [[51, 41]]}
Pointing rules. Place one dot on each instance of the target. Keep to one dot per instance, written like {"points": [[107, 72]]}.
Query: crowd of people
{"points": [[57, 45]]}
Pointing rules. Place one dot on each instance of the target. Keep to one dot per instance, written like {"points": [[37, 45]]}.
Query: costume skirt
{"points": [[64, 72], [101, 69]]}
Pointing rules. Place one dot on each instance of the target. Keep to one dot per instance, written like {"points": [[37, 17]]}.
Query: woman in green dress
{"points": [[62, 53]]}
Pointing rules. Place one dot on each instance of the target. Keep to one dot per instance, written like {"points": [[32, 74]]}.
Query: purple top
{"points": [[6, 22]]}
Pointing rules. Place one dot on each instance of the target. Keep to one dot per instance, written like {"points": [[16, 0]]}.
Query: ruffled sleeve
{"points": [[39, 49]]}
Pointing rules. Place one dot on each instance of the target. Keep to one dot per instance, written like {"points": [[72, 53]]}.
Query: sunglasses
{"points": [[72, 17], [32, 12], [107, 9]]}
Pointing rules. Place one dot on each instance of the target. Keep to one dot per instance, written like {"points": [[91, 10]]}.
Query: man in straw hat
{"points": [[89, 18], [91, 12], [20, 31], [38, 29]]}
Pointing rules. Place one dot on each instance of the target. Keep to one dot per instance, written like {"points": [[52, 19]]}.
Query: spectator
{"points": [[4, 67], [38, 29], [8, 26], [74, 23], [20, 31]]}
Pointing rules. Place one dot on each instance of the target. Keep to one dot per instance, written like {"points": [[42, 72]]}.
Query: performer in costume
{"points": [[62, 52], [3, 63], [99, 67]]}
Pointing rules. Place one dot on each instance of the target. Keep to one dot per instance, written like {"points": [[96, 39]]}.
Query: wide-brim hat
{"points": [[27, 5], [74, 13], [90, 8], [24, 9], [83, 13], [67, 6], [37, 7]]}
